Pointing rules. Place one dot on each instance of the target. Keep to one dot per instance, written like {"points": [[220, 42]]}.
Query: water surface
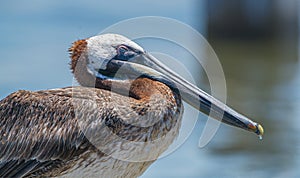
{"points": [[263, 82]]}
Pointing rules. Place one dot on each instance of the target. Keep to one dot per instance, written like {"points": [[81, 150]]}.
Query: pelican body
{"points": [[125, 113]]}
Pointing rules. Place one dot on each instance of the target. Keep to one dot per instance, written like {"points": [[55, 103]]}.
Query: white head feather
{"points": [[102, 48]]}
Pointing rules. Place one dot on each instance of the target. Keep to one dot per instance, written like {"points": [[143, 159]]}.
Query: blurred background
{"points": [[255, 40]]}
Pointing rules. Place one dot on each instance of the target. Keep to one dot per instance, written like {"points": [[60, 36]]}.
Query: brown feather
{"points": [[44, 125]]}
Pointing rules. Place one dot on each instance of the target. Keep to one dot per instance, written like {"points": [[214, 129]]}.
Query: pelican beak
{"points": [[200, 99], [146, 65]]}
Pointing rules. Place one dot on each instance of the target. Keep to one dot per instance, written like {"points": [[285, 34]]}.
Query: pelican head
{"points": [[111, 57]]}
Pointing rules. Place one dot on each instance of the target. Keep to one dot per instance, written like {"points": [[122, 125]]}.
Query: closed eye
{"points": [[124, 53], [122, 49]]}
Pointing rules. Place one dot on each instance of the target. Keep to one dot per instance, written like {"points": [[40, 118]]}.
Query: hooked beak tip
{"points": [[257, 128]]}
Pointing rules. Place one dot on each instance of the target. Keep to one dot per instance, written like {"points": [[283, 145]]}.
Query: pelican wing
{"points": [[38, 132]]}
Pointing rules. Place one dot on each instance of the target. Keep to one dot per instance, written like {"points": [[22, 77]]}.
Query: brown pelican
{"points": [[124, 91]]}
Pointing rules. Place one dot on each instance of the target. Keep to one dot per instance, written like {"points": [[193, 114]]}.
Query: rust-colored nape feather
{"points": [[79, 62], [78, 48]]}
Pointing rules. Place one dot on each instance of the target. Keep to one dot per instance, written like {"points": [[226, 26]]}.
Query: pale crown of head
{"points": [[102, 48]]}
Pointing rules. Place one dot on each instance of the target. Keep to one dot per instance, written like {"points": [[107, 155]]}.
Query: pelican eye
{"points": [[122, 49], [124, 52]]}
